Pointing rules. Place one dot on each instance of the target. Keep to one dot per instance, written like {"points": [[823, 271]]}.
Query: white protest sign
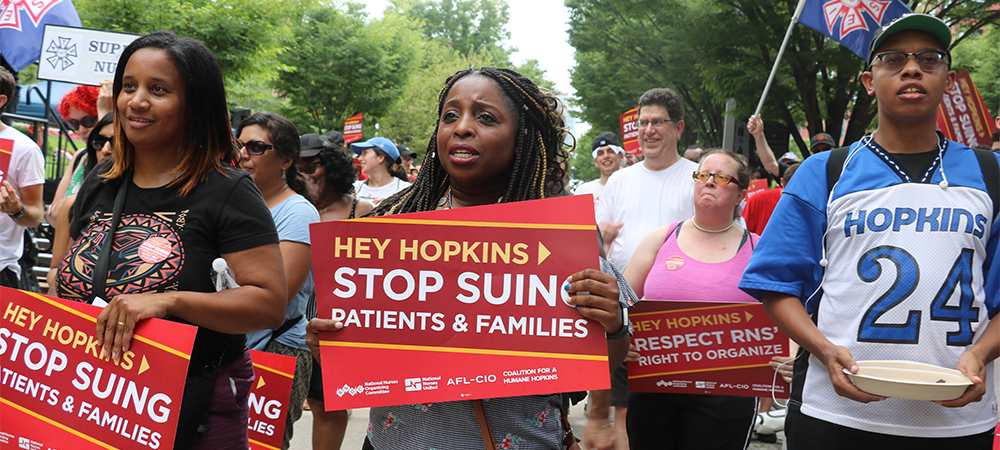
{"points": [[80, 55]]}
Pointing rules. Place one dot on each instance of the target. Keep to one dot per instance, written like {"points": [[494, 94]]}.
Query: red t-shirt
{"points": [[759, 208]]}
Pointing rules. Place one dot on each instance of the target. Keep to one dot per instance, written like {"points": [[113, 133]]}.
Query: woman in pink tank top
{"points": [[699, 259]]}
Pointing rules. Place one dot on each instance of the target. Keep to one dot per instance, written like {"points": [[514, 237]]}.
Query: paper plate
{"points": [[909, 380]]}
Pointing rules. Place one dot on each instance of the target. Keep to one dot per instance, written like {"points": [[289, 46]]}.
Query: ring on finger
{"points": [[121, 324]]}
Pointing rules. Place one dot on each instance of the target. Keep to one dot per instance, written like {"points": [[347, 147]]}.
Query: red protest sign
{"points": [[630, 130], [756, 186], [6, 151], [58, 393], [962, 115], [705, 348], [268, 399], [457, 304], [352, 129]]}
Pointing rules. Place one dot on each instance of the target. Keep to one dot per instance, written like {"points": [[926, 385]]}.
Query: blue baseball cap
{"points": [[380, 143]]}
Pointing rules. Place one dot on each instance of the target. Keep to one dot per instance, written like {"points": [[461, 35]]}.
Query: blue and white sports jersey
{"points": [[912, 274]]}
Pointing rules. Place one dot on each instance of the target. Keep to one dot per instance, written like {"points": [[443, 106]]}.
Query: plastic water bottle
{"points": [[222, 275]]}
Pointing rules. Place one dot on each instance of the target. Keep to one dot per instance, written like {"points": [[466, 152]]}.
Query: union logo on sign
{"points": [[10, 16], [852, 14]]}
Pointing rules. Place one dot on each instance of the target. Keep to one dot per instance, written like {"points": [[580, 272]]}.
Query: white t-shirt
{"points": [[644, 200], [591, 187], [27, 168], [365, 192]]}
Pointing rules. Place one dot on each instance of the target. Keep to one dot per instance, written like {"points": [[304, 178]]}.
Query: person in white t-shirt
{"points": [[20, 194], [608, 154], [380, 161], [642, 197], [639, 199]]}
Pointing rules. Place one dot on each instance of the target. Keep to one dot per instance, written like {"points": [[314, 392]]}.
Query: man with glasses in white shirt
{"points": [[637, 200]]}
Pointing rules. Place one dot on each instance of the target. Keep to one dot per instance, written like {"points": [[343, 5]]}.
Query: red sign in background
{"points": [[756, 186], [6, 151], [352, 129], [457, 304], [268, 399], [962, 115], [58, 393], [705, 348], [630, 130]]}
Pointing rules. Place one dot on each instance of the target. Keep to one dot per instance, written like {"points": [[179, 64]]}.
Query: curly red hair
{"points": [[83, 98]]}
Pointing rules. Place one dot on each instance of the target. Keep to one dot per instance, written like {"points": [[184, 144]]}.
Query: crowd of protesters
{"points": [[162, 163]]}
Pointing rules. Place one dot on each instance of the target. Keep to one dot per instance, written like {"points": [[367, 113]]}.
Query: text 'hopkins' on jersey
{"points": [[921, 220]]}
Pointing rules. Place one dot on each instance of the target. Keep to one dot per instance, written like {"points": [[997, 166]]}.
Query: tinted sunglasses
{"points": [[87, 121], [309, 167], [255, 147], [720, 178], [101, 139]]}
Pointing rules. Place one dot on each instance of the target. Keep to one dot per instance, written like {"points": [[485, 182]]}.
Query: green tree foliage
{"points": [[581, 161], [344, 65], [245, 35], [464, 25], [713, 50]]}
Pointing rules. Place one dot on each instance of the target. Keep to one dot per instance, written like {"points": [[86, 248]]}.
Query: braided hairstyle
{"points": [[538, 150]]}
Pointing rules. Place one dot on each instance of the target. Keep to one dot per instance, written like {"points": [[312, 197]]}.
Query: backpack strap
{"points": [[834, 166], [991, 176]]}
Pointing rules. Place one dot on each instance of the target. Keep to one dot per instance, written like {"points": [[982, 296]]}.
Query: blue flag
{"points": [[22, 24], [851, 22]]}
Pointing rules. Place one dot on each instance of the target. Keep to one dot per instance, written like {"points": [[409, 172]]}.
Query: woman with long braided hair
{"points": [[499, 138]]}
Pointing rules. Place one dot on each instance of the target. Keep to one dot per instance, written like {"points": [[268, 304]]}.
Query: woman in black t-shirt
{"points": [[184, 205]]}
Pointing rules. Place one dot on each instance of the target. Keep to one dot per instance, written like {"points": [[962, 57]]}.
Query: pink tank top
{"points": [[676, 276]]}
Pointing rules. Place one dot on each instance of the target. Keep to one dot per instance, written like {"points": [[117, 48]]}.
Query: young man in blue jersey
{"points": [[895, 260]]}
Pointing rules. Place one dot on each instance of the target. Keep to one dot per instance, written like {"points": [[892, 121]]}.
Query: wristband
{"points": [[19, 214], [619, 334]]}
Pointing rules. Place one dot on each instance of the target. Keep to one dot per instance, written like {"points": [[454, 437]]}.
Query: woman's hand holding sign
{"points": [[312, 333], [595, 294]]}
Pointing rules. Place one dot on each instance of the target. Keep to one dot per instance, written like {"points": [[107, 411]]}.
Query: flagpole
{"points": [[781, 52]]}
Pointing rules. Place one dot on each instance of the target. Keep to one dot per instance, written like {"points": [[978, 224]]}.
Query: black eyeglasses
{"points": [[720, 178], [927, 60], [255, 147], [654, 123], [309, 167], [87, 121], [101, 139]]}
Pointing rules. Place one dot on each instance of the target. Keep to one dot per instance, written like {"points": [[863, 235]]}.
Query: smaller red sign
{"points": [[705, 348], [6, 151], [269, 395], [630, 130], [352, 129], [58, 392], [962, 115], [756, 187], [996, 438]]}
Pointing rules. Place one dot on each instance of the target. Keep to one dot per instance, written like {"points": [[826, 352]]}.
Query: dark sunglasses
{"points": [[101, 139], [255, 147], [720, 178], [308, 168], [87, 121], [927, 60]]}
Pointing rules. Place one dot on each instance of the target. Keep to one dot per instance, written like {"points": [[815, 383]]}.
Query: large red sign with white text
{"points": [[269, 395], [705, 348], [457, 304], [58, 393]]}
